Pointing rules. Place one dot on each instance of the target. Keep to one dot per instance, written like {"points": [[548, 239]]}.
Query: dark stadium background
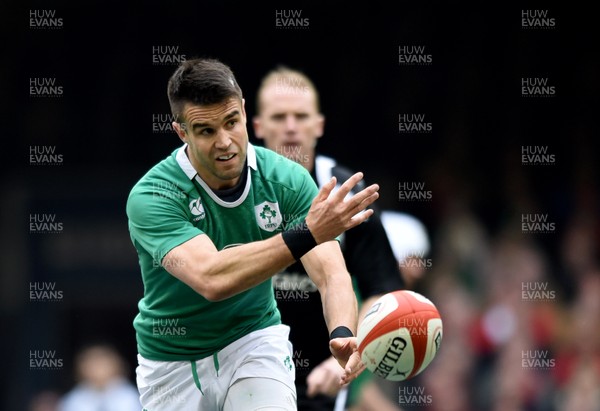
{"points": [[102, 125]]}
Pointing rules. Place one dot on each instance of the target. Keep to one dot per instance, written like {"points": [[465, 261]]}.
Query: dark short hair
{"points": [[201, 81]]}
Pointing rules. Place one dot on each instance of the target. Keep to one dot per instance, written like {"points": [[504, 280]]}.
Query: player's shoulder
{"points": [[165, 180], [275, 168]]}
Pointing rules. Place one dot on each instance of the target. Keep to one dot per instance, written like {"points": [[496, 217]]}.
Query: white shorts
{"points": [[255, 372]]}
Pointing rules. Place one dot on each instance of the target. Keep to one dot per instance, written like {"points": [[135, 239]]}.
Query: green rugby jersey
{"points": [[170, 205]]}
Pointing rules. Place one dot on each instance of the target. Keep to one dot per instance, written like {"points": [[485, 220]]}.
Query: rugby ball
{"points": [[400, 335]]}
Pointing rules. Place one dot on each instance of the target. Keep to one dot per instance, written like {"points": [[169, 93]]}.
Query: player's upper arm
{"points": [[162, 228], [186, 260]]}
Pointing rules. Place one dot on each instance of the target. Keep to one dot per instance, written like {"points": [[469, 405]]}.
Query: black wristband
{"points": [[340, 332], [299, 240]]}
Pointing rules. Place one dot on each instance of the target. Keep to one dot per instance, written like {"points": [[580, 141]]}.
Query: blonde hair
{"points": [[296, 77]]}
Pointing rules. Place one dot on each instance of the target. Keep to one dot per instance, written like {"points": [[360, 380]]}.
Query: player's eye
{"points": [[278, 117], [231, 123], [206, 132]]}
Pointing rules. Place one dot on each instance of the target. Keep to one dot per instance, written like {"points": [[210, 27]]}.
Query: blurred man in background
{"points": [[411, 246], [410, 243], [102, 383], [289, 121]]}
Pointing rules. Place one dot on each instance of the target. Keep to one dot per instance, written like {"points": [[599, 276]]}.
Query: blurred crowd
{"points": [[521, 319]]}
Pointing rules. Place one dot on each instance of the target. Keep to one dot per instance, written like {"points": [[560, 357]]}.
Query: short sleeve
{"points": [[158, 223]]}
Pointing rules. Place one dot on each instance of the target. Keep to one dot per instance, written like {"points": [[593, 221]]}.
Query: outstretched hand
{"points": [[325, 379], [345, 350], [331, 213]]}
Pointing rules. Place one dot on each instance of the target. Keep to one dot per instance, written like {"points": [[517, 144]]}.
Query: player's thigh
{"points": [[168, 386], [258, 393]]}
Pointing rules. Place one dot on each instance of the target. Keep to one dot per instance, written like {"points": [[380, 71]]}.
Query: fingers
{"points": [[312, 387], [360, 218], [364, 198], [353, 368], [331, 214], [324, 379], [359, 201], [359, 212], [325, 190], [350, 373], [354, 363], [343, 191], [346, 352]]}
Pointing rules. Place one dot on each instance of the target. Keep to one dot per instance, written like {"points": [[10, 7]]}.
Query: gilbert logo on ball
{"points": [[400, 335]]}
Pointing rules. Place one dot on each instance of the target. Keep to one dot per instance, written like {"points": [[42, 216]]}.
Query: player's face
{"points": [[217, 141], [289, 122]]}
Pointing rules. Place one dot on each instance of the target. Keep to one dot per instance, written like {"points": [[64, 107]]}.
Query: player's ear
{"points": [[258, 132], [320, 124], [244, 107], [179, 129]]}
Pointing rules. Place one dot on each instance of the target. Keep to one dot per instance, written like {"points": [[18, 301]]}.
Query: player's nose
{"points": [[290, 124], [223, 140]]}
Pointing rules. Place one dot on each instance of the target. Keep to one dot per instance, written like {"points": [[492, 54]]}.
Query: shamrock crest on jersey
{"points": [[268, 216]]}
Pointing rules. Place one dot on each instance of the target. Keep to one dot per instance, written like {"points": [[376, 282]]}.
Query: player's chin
{"points": [[229, 171]]}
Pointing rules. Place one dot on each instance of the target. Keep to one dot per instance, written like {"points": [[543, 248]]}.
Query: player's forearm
{"points": [[325, 265], [339, 302], [237, 269]]}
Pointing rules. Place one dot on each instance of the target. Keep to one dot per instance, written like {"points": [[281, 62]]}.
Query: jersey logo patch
{"points": [[268, 216], [197, 209]]}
